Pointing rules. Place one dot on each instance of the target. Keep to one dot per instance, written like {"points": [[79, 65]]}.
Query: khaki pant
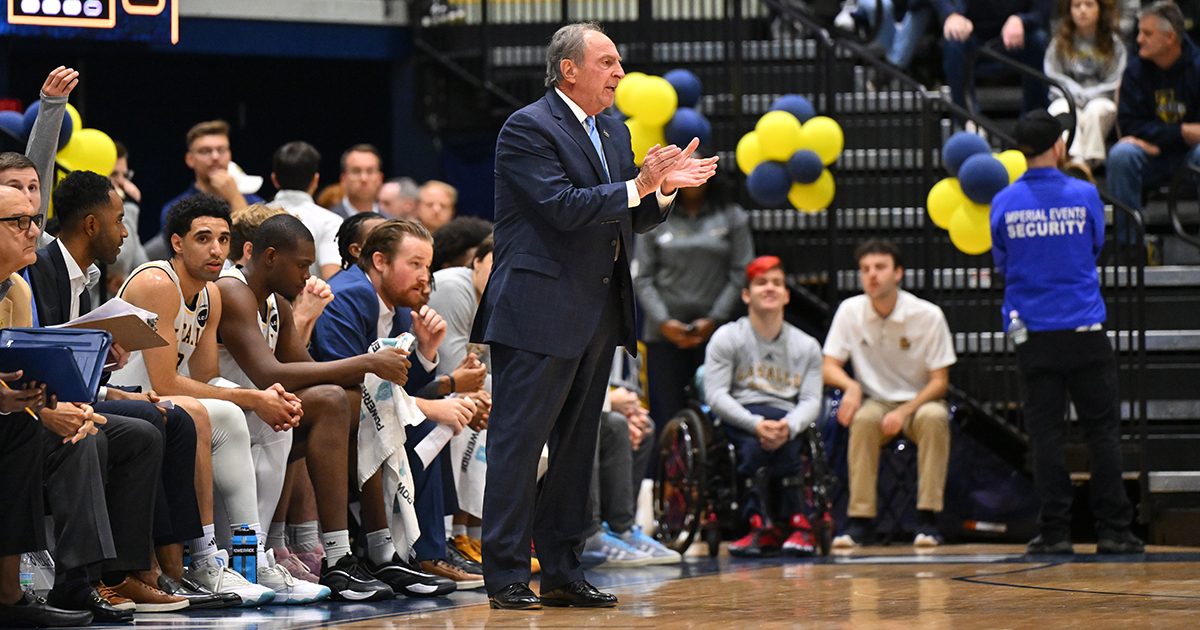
{"points": [[1092, 124], [929, 427]]}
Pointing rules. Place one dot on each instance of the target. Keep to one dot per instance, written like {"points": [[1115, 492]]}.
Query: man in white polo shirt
{"points": [[901, 351]]}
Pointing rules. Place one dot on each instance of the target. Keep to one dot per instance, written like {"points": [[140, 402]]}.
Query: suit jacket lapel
{"points": [[568, 122], [62, 280]]}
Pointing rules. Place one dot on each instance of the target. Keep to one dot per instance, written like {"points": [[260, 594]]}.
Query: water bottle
{"points": [[27, 575], [245, 553], [1016, 329]]}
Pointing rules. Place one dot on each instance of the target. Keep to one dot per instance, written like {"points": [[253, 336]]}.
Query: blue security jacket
{"points": [[1047, 232]]}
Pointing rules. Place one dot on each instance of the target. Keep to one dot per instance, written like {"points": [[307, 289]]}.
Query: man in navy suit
{"points": [[568, 200]]}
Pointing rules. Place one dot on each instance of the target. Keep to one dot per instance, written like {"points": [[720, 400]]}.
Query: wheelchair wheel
{"points": [[680, 481], [818, 484]]}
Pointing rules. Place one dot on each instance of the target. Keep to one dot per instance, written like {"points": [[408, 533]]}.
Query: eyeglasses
{"points": [[207, 151], [23, 221]]}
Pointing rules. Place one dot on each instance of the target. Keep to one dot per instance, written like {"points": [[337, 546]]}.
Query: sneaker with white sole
{"points": [[605, 549], [295, 566], [214, 574], [289, 590], [406, 579], [659, 554], [350, 582]]}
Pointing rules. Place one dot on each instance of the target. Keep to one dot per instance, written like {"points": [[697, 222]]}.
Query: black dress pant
{"points": [[176, 513], [22, 527], [1053, 365]]}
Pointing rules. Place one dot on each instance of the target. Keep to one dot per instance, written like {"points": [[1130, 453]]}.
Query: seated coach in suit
{"points": [[560, 299]]}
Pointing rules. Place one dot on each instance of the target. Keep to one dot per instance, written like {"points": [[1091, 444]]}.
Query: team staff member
{"points": [[1047, 232]]}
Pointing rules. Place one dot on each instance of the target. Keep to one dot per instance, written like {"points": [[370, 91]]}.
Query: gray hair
{"points": [[567, 43], [408, 187], [1170, 18]]}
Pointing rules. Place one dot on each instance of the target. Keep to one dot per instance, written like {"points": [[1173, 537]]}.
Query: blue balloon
{"points": [[795, 105], [14, 123], [64, 135], [769, 183], [805, 166], [687, 86], [961, 146], [981, 177], [686, 124]]}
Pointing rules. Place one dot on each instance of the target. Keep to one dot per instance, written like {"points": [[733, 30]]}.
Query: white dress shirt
{"points": [[384, 330]]}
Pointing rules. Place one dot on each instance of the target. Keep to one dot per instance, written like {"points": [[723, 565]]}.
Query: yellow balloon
{"points": [[628, 85], [749, 154], [814, 197], [944, 198], [76, 119], [823, 135], [653, 101], [778, 135], [970, 230], [643, 136], [90, 150], [1014, 162]]}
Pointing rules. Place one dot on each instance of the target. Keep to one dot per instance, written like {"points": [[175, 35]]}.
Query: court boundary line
{"points": [[974, 579]]}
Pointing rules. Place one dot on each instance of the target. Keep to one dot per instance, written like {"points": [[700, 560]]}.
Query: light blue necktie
{"points": [[590, 122]]}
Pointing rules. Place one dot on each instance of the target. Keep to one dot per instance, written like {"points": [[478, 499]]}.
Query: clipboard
{"points": [[128, 331], [69, 362]]}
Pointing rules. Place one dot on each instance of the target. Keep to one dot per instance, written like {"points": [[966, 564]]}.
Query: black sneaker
{"points": [[1041, 546], [1122, 543], [456, 558], [407, 579], [198, 599], [350, 582]]}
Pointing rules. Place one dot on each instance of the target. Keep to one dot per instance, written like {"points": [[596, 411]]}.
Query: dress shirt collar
{"points": [[386, 315], [74, 273], [575, 109]]}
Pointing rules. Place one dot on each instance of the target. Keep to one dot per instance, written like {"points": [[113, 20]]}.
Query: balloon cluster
{"points": [[78, 148], [962, 202], [785, 156], [661, 110]]}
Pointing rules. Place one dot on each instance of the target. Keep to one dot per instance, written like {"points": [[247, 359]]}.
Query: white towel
{"points": [[386, 410], [468, 453]]}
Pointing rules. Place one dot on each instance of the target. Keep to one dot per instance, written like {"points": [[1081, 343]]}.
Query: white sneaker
{"points": [[845, 541], [659, 554], [926, 540], [289, 590], [214, 573]]}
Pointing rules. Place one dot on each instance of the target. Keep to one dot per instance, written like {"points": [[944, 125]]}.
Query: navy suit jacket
{"points": [[52, 287], [349, 324], [558, 228]]}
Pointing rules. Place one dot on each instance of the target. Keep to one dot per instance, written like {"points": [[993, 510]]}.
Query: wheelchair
{"points": [[697, 487]]}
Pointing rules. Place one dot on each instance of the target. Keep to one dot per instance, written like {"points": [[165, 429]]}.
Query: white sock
{"points": [[205, 546], [475, 531], [337, 546], [459, 530], [261, 535], [307, 537], [379, 546], [277, 536]]}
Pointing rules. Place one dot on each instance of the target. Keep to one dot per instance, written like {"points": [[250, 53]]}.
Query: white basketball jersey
{"points": [[189, 325], [269, 328]]}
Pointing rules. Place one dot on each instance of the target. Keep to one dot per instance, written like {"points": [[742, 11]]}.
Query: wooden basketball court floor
{"points": [[891, 588]]}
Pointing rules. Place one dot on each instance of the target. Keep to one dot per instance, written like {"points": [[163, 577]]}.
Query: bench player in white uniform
{"points": [[262, 346], [180, 290]]}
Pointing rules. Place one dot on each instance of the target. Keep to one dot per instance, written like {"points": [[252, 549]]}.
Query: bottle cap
{"points": [[1013, 315]]}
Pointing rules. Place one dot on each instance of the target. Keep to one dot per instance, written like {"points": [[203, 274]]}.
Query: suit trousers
{"points": [[176, 513], [553, 401], [1053, 365], [101, 493], [22, 526]]}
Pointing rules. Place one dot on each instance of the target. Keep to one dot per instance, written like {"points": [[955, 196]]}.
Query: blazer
{"points": [[15, 311], [349, 324], [559, 227], [51, 286]]}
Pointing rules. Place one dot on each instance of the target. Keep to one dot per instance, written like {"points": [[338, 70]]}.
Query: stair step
{"points": [[1175, 481]]}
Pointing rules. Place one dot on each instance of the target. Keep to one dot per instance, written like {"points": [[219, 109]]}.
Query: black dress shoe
{"points": [[579, 594], [1042, 546], [91, 601], [197, 599], [34, 612], [515, 596]]}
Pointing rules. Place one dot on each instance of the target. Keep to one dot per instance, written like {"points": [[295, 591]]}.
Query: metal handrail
{"points": [[1181, 175], [990, 51]]}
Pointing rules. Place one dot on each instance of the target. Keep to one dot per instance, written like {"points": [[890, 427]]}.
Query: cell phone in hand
{"points": [[405, 341]]}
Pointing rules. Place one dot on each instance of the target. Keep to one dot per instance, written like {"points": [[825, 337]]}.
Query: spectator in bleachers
{"points": [[1088, 58], [901, 351], [1052, 288], [132, 252], [398, 198], [435, 204], [330, 196], [362, 176], [1020, 24], [762, 378], [295, 171], [899, 38], [688, 277], [209, 155], [454, 243], [353, 233], [1158, 110]]}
